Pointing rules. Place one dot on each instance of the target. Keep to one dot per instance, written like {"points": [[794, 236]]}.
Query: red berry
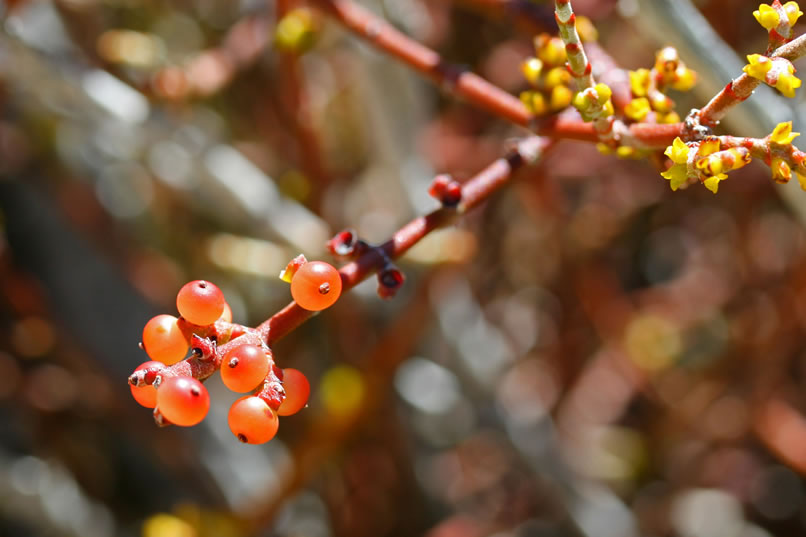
{"points": [[200, 302], [297, 390], [316, 285], [183, 400], [163, 340], [252, 420], [145, 395], [244, 367]]}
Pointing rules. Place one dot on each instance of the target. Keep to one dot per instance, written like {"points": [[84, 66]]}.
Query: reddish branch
{"points": [[474, 192], [742, 87], [472, 88]]}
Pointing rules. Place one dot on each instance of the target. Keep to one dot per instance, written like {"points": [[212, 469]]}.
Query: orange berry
{"points": [[252, 420], [316, 285], [163, 340], [200, 302], [297, 390]]}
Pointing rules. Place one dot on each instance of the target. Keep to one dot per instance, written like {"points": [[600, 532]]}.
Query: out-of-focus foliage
{"points": [[588, 354]]}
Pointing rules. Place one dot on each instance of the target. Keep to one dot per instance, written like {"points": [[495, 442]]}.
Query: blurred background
{"points": [[588, 354]]}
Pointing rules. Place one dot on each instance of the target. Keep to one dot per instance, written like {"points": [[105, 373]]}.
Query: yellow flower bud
{"points": [[684, 79], [671, 117], [637, 109], [558, 76], [535, 102], [531, 69], [587, 31], [550, 50], [639, 82], [603, 93], [296, 31], [781, 172], [561, 97]]}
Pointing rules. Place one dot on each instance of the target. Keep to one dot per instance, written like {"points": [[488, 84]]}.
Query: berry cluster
{"points": [[187, 350]]}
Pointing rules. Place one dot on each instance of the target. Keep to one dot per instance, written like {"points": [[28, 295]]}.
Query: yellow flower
{"points": [[639, 82], [712, 183], [793, 12], [758, 67], [723, 161], [781, 172], [677, 152], [531, 70], [709, 146], [677, 176], [637, 109], [787, 82], [767, 16], [782, 134], [666, 61]]}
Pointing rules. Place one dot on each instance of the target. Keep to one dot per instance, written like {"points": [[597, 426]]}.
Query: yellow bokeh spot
{"points": [[558, 76], [801, 180], [295, 32], [342, 390], [550, 50], [684, 79], [586, 30], [652, 343], [165, 525]]}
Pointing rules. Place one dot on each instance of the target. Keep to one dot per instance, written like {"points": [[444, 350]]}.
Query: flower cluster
{"points": [[704, 161], [776, 72], [649, 87], [778, 19], [547, 75]]}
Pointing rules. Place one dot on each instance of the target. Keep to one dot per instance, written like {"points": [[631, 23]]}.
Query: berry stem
{"points": [[474, 192]]}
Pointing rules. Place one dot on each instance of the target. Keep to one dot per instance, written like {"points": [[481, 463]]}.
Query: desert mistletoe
{"points": [[187, 350]]}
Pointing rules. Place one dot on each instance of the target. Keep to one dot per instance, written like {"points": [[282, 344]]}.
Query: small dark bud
{"points": [[390, 279], [447, 190]]}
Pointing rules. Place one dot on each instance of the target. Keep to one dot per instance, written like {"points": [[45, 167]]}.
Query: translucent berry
{"points": [[145, 395], [316, 285], [200, 302], [244, 367], [163, 340], [252, 420], [183, 400], [226, 315], [297, 390]]}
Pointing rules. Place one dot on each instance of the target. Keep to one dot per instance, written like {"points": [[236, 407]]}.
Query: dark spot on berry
{"points": [[242, 438], [324, 288], [233, 362], [195, 391]]}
